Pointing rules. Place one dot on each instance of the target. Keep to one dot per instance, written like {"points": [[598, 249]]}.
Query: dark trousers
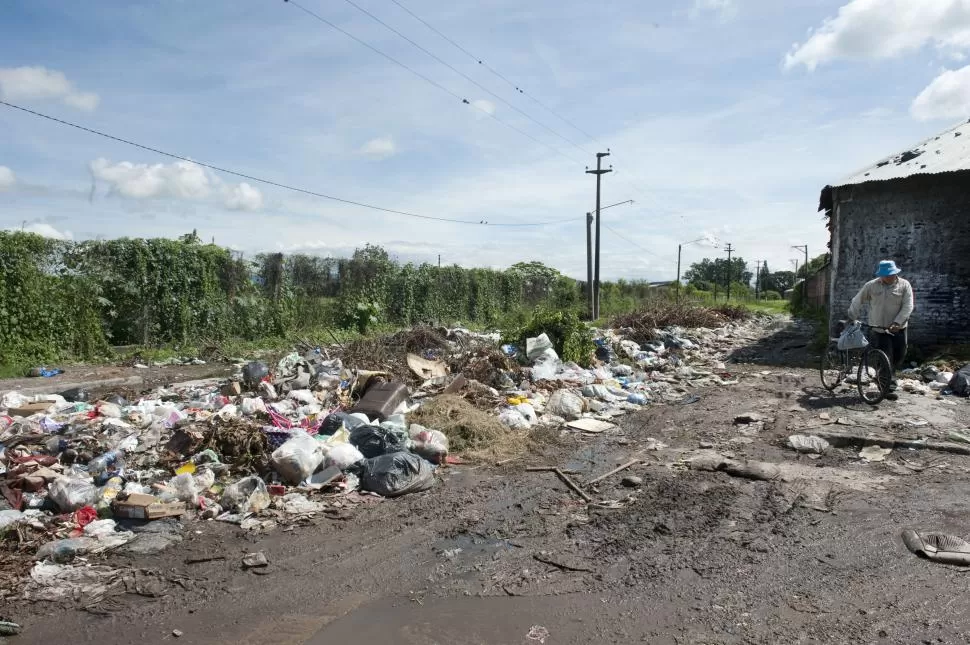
{"points": [[894, 346]]}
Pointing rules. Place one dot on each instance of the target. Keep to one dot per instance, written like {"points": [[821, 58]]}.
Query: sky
{"points": [[724, 119]]}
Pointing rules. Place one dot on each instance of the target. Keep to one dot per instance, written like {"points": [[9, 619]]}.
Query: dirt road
{"points": [[498, 555]]}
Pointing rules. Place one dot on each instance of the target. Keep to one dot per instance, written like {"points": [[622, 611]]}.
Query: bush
{"points": [[570, 336], [772, 295]]}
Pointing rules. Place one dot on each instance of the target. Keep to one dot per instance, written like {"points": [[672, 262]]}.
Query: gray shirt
{"points": [[889, 304]]}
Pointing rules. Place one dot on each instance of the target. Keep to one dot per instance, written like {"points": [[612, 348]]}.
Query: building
{"points": [[914, 208]]}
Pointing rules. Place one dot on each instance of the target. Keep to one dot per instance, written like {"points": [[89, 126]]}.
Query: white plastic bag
{"points": [[343, 455], [852, 338], [534, 347], [298, 458], [808, 444], [566, 404], [546, 366], [513, 419], [528, 413], [252, 406], [430, 444], [70, 493], [248, 495]]}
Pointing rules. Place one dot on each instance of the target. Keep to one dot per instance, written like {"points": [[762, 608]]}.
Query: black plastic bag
{"points": [[253, 373], [374, 441], [396, 474], [960, 383], [332, 423]]}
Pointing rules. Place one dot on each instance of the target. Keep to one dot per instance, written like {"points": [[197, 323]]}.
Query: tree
{"points": [[814, 266], [780, 281], [715, 271], [537, 279]]}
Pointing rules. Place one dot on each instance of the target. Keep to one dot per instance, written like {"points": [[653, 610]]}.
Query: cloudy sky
{"points": [[724, 117]]}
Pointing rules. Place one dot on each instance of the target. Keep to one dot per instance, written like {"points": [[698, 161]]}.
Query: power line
{"points": [[498, 75], [270, 182], [466, 76], [625, 238], [425, 78]]}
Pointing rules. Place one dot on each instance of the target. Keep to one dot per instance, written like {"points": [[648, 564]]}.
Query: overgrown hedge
{"points": [[62, 299]]}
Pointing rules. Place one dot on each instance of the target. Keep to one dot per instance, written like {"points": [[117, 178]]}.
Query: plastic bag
{"points": [[252, 406], [298, 458], [566, 404], [396, 474], [374, 441], [808, 444], [852, 338], [305, 397], [185, 488], [960, 383], [248, 495], [430, 444], [343, 456], [9, 518], [61, 551], [110, 410], [528, 413], [332, 423], [546, 366], [534, 347], [70, 493], [513, 419]]}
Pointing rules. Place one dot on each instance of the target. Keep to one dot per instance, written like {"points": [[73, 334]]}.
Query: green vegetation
{"points": [[571, 337]]}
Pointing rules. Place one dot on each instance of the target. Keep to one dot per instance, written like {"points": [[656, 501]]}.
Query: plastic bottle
{"points": [[637, 398], [100, 465]]}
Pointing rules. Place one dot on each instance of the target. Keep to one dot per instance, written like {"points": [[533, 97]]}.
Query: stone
{"points": [[255, 560], [177, 633], [748, 417], [632, 481]]}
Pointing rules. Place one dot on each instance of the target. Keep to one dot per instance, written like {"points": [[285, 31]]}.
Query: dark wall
{"points": [[923, 223]]}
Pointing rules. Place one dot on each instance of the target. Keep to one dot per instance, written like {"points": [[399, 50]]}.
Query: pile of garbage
{"points": [[83, 475], [930, 379]]}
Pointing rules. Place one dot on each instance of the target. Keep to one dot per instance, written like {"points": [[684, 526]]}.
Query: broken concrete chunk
{"points": [[255, 560], [874, 453]]}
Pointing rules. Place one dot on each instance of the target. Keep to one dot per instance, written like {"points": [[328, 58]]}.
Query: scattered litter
{"points": [[592, 426], [255, 560], [632, 481], [938, 547], [748, 417], [808, 444], [874, 453], [538, 633]]}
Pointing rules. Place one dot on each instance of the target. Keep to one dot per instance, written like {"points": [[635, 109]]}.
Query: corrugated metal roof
{"points": [[947, 152]]}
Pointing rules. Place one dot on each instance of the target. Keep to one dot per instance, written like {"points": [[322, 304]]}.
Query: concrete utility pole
{"points": [[589, 255], [729, 250], [803, 247], [590, 301], [757, 279], [599, 172]]}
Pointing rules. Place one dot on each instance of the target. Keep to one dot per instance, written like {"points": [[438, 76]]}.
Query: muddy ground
{"points": [[498, 555]]}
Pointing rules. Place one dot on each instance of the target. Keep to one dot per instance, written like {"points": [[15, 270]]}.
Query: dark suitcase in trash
{"points": [[381, 400]]}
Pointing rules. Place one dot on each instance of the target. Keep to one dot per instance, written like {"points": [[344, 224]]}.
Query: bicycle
{"points": [[873, 375]]}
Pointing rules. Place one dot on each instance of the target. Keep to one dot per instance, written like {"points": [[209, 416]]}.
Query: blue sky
{"points": [[725, 117]]}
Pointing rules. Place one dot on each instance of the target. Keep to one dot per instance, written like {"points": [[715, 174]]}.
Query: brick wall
{"points": [[923, 223], [818, 287]]}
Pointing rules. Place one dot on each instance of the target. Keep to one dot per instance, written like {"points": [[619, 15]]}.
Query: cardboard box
{"points": [[29, 409], [138, 506]]}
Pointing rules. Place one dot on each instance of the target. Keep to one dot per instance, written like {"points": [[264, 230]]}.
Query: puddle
{"points": [[470, 545], [584, 460]]}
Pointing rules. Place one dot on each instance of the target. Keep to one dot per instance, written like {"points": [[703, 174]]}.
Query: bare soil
{"points": [[499, 555]]}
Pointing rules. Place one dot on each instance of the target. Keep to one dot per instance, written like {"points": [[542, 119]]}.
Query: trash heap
{"points": [[932, 380], [83, 474]]}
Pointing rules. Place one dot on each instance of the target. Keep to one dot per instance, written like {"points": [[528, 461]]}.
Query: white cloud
{"points": [[243, 198], [380, 148], [40, 83], [876, 29], [484, 106], [46, 230], [724, 9], [181, 180], [947, 97], [7, 179]]}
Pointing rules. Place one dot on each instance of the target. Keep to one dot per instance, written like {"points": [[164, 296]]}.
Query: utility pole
{"points": [[803, 247], [439, 260], [757, 280], [599, 172], [729, 250], [590, 304]]}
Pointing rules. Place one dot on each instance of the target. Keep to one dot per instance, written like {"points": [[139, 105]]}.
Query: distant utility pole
{"points": [[439, 260], [729, 250], [757, 279], [599, 172], [803, 247]]}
